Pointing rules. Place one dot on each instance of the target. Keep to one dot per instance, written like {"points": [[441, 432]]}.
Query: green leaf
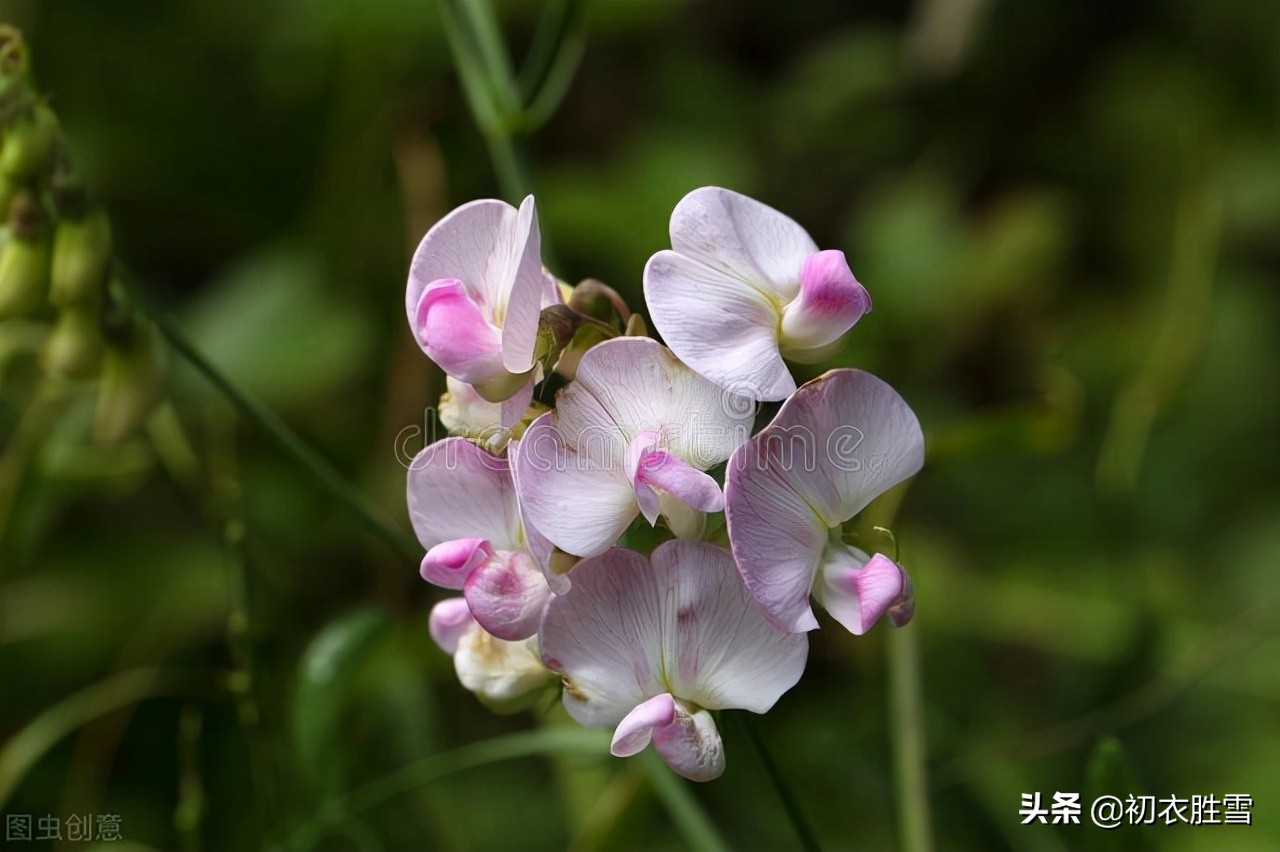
{"points": [[326, 673]]}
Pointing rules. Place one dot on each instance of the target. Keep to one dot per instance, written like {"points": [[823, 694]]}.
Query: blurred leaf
{"points": [[270, 324], [328, 668], [1110, 772]]}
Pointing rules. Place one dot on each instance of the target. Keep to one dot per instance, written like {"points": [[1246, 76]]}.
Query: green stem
{"points": [[906, 698], [698, 830], [790, 802], [298, 451]]}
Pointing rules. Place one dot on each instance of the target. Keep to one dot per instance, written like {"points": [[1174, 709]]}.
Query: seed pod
{"points": [[81, 257], [132, 380], [74, 347], [28, 144], [24, 262]]}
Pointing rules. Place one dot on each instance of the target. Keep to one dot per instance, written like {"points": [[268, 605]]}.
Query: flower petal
{"points": [[506, 676], [858, 590], [742, 237], [455, 334], [605, 637], [458, 490], [637, 385], [777, 538], [665, 472], [449, 620], [689, 742], [507, 595], [450, 563], [462, 245], [575, 495], [831, 300], [529, 290], [720, 650], [723, 328], [635, 731]]}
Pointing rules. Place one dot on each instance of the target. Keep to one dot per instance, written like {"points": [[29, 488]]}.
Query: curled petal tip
{"points": [[830, 302], [449, 620], [450, 563]]}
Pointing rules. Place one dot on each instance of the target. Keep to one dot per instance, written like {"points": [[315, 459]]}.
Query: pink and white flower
{"points": [[464, 509], [649, 647], [505, 676], [841, 441], [633, 434], [743, 287], [476, 289]]}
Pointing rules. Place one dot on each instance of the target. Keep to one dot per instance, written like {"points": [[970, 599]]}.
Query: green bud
{"points": [[81, 257], [29, 144], [600, 301], [24, 270], [74, 347], [132, 380]]}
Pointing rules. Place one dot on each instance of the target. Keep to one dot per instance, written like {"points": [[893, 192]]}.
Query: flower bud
{"points": [[29, 144], [24, 260], [74, 347], [81, 257], [600, 301], [131, 384]]}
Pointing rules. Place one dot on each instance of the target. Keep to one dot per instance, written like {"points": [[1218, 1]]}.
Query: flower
{"points": [[743, 287], [462, 502], [648, 647], [476, 288], [841, 441], [505, 676], [631, 435]]}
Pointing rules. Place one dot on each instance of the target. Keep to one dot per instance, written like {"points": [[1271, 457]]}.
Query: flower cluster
{"points": [[524, 509]]}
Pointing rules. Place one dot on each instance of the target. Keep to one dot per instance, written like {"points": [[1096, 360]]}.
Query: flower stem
{"points": [[298, 451], [790, 803], [906, 697]]}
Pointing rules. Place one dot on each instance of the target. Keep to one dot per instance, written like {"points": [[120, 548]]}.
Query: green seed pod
{"points": [[132, 381], [81, 257], [74, 347], [29, 143], [24, 274]]}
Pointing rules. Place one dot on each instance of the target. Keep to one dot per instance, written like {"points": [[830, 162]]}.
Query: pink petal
{"points": [[539, 547], [635, 731], [831, 300], [689, 743], [515, 406], [449, 620], [507, 596], [857, 591], [722, 327], [450, 563], [458, 490], [455, 334]]}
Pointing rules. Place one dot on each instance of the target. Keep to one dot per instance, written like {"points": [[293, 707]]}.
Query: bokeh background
{"points": [[1068, 215]]}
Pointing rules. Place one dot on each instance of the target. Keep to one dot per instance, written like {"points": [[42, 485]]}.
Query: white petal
{"points": [[575, 495], [743, 238], [463, 411], [722, 327], [467, 244], [503, 674], [529, 289], [604, 638], [719, 650], [638, 385], [457, 490]]}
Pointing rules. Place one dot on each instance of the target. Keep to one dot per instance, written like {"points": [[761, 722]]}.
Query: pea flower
{"points": [[505, 676], [462, 502], [744, 286], [633, 434], [476, 289], [842, 440], [649, 647]]}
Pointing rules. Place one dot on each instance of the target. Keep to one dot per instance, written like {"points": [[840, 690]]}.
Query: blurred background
{"points": [[1068, 216]]}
